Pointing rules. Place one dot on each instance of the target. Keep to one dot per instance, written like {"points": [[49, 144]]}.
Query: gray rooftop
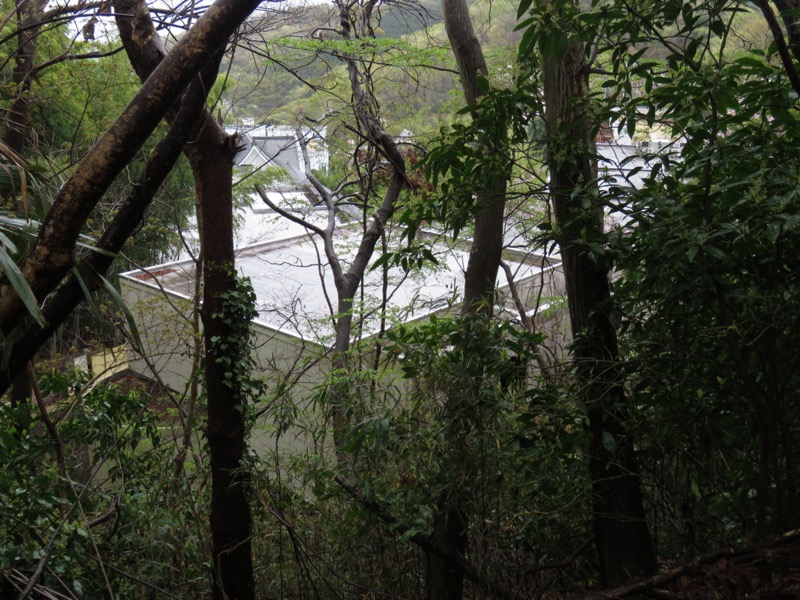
{"points": [[296, 293]]}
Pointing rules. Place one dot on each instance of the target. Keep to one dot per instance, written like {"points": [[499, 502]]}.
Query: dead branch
{"points": [[648, 585], [113, 509]]}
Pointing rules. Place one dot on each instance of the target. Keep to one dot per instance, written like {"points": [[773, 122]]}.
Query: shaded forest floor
{"points": [[768, 569]]}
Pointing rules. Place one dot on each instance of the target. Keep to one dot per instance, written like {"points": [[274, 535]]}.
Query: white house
{"points": [[296, 298], [278, 145]]}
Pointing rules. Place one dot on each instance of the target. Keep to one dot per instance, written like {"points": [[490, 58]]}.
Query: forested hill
{"points": [[286, 66], [293, 70]]}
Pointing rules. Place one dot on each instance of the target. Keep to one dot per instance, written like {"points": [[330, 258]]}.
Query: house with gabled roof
{"points": [[279, 145]]}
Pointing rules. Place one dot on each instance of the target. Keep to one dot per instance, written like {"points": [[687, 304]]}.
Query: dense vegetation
{"points": [[476, 448]]}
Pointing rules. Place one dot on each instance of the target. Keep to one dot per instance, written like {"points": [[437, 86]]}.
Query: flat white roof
{"points": [[296, 293]]}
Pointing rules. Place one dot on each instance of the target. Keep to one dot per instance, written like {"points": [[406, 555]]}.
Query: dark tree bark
{"points": [[52, 255], [791, 19], [29, 15], [621, 534], [211, 156], [66, 297], [487, 244], [443, 579], [231, 522]]}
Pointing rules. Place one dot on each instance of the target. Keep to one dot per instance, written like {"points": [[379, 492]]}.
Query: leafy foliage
{"points": [[116, 454]]}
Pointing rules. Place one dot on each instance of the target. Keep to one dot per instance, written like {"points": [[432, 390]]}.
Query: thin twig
{"points": [[48, 423]]}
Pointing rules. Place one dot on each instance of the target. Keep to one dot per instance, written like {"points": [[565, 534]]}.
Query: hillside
{"points": [[285, 66]]}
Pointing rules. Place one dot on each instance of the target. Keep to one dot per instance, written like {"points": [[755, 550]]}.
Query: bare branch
{"points": [[288, 215], [69, 57]]}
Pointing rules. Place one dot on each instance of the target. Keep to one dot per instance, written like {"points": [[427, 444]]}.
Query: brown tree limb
{"points": [[52, 255], [113, 509], [130, 214], [66, 57], [647, 585]]}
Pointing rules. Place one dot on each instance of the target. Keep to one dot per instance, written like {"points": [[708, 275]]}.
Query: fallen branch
{"points": [[113, 509], [648, 585], [425, 542]]}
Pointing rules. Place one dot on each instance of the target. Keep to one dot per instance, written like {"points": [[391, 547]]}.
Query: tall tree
{"points": [[29, 20], [443, 579], [355, 22], [490, 195], [211, 156], [622, 538]]}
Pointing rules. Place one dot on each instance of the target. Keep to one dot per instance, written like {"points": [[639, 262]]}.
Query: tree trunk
{"points": [[231, 522], [52, 255], [487, 243], [790, 14], [127, 219], [29, 14], [621, 534], [18, 125], [211, 156], [451, 521]]}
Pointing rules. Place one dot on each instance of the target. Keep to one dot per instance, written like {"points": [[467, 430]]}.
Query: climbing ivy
{"points": [[233, 350]]}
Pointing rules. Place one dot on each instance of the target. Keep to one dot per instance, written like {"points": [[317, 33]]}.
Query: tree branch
{"points": [[53, 253], [64, 299], [648, 584], [780, 43]]}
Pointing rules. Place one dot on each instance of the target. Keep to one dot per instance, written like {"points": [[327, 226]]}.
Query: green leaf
{"points": [[21, 287], [134, 331]]}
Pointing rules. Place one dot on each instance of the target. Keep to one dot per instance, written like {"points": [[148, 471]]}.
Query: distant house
{"points": [[278, 145], [623, 163]]}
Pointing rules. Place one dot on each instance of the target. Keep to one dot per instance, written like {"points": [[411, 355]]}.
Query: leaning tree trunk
{"points": [[621, 534], [211, 158], [52, 255]]}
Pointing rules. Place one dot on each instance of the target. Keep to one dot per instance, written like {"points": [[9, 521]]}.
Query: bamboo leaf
{"points": [[21, 287]]}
